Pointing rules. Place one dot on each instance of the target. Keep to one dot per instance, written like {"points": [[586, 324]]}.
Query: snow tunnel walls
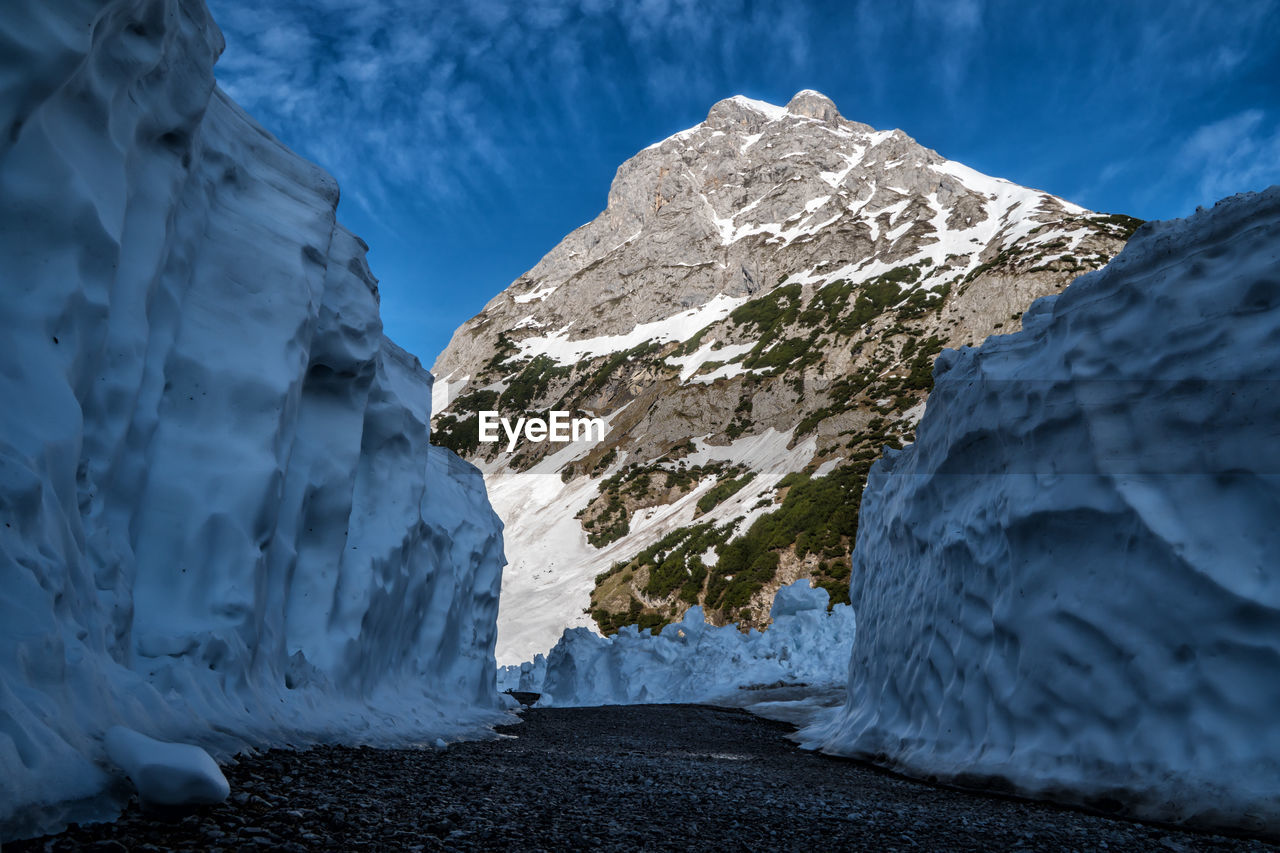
{"points": [[1070, 583], [222, 521]]}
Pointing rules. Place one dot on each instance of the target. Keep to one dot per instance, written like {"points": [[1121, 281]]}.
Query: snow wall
{"points": [[691, 661], [222, 522], [1070, 583]]}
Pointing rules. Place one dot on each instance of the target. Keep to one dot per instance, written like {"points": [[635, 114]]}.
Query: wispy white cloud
{"points": [[1168, 49], [1098, 185], [396, 94], [436, 103], [476, 133], [956, 29], [1239, 153]]}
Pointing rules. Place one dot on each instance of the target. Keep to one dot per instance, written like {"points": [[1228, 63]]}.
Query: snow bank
{"points": [[221, 521], [691, 661], [526, 677], [1070, 582]]}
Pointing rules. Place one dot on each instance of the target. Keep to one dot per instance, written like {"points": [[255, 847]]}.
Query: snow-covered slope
{"points": [[766, 289], [556, 564], [1071, 581], [222, 521]]}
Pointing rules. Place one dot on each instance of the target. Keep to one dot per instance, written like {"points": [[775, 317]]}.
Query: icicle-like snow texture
{"points": [[691, 661], [221, 520], [1070, 581]]}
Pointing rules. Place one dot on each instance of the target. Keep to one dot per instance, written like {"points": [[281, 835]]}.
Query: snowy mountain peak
{"points": [[764, 293], [755, 193], [811, 104], [739, 110]]}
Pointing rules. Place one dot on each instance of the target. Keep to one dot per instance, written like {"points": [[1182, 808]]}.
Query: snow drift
{"points": [[1070, 582], [691, 661], [166, 774], [222, 522]]}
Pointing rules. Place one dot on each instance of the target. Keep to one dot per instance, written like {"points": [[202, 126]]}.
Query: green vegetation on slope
{"points": [[818, 517], [607, 518], [531, 383], [462, 435]]}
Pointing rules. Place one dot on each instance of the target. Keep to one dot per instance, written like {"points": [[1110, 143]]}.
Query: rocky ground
{"points": [[656, 777]]}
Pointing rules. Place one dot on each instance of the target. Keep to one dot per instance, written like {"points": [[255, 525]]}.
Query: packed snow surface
{"points": [[1070, 582], [691, 661], [166, 774], [222, 522]]}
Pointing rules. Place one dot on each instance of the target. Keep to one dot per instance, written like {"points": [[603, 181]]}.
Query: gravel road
{"points": [[656, 777]]}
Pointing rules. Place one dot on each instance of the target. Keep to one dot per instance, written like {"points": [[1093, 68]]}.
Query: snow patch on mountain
{"points": [[677, 327], [772, 112], [710, 351], [533, 296]]}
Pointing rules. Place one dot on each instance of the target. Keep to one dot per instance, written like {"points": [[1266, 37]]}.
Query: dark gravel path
{"points": [[625, 778]]}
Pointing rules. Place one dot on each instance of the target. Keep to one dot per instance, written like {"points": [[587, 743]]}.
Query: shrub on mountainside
{"points": [[531, 383], [722, 491], [764, 314], [462, 434]]}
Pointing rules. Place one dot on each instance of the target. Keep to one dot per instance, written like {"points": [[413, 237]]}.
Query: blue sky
{"points": [[469, 137]]}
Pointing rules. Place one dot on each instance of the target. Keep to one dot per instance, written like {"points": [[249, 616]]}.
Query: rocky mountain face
{"points": [[755, 314]]}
